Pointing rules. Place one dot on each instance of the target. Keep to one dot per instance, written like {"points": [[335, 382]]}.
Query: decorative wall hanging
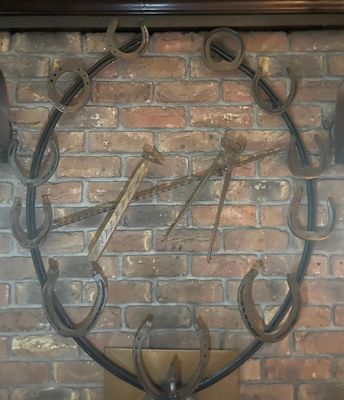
{"points": [[5, 124], [232, 156]]}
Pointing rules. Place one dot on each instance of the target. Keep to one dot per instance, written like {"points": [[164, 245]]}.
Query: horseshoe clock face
{"points": [[207, 215]]}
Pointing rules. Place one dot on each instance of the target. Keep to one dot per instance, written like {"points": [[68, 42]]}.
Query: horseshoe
{"points": [[308, 172], [113, 46], [69, 66], [281, 108], [254, 323], [222, 65], [304, 234], [5, 124], [53, 161], [174, 392], [42, 232], [48, 300]]}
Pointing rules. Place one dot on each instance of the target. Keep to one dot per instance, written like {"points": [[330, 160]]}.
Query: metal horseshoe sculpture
{"points": [[308, 172], [42, 232], [303, 233], [48, 300], [52, 163], [5, 124], [281, 108], [174, 391], [254, 323]]}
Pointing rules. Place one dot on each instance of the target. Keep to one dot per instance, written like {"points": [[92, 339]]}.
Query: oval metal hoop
{"points": [[263, 104], [42, 232], [48, 300], [69, 66], [303, 233], [52, 164], [254, 323], [147, 382], [222, 65], [308, 172], [113, 46]]}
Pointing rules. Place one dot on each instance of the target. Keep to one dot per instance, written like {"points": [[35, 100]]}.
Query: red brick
{"points": [[172, 92], [29, 117], [5, 243], [189, 141], [222, 116], [4, 294], [323, 291], [339, 315], [319, 342], [154, 68], [180, 339], [256, 240], [317, 40], [273, 216], [121, 92], [119, 141], [63, 242], [47, 42], [265, 41], [5, 41], [24, 66], [218, 317], [171, 166], [93, 394], [237, 91], [151, 216], [110, 318], [201, 163], [66, 192], [48, 393], [321, 391], [28, 319], [68, 142], [165, 317], [340, 368], [90, 117], [88, 167], [250, 370], [108, 191], [314, 317], [336, 65], [153, 117], [189, 291], [3, 347], [231, 215], [20, 373], [177, 42], [310, 91], [124, 292], [124, 241], [5, 192], [77, 372], [266, 392], [301, 65], [290, 369], [274, 166], [155, 266]]}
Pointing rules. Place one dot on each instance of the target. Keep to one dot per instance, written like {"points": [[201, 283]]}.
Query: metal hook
{"points": [[254, 323], [42, 232], [113, 46], [53, 161], [222, 65], [49, 299], [308, 172], [304, 234], [281, 108], [177, 392]]}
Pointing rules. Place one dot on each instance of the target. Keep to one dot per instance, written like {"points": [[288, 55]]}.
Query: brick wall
{"points": [[170, 99]]}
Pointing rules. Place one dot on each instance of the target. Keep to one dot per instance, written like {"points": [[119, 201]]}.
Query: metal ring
{"points": [[48, 300], [113, 46], [53, 161], [69, 66], [281, 108], [222, 65]]}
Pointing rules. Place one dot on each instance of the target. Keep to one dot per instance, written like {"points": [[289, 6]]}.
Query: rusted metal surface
{"points": [[309, 171], [42, 232], [113, 218], [49, 303], [174, 388], [254, 322], [302, 233], [265, 104], [49, 169]]}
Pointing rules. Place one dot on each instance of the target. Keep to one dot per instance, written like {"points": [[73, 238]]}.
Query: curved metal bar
{"points": [[281, 108], [42, 232], [308, 172], [48, 296], [174, 392], [222, 65], [69, 66], [52, 163], [5, 124], [254, 323], [113, 46], [303, 233]]}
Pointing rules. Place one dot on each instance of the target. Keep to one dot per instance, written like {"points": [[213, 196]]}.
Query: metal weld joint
{"points": [[42, 232], [174, 389], [254, 323], [49, 303]]}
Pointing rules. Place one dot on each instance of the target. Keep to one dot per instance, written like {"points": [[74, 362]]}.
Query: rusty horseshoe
{"points": [[254, 323], [48, 300]]}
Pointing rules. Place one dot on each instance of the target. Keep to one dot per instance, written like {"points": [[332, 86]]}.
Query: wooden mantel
{"points": [[170, 14]]}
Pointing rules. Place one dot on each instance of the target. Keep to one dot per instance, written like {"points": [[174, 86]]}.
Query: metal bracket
{"points": [[5, 124], [254, 323], [69, 66], [49, 299], [42, 232], [222, 65], [304, 234], [175, 390]]}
